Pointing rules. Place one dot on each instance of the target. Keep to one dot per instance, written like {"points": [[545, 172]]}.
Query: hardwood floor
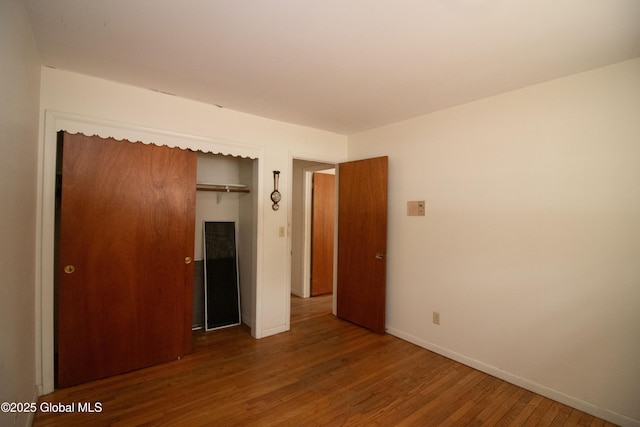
{"points": [[323, 372]]}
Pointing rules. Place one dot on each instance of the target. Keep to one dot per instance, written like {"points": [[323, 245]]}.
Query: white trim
{"points": [[274, 331], [540, 389], [55, 121], [73, 123], [256, 302], [307, 193]]}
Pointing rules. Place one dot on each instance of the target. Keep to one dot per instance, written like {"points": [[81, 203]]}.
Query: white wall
{"points": [[530, 247], [90, 97], [19, 91], [211, 205], [248, 240]]}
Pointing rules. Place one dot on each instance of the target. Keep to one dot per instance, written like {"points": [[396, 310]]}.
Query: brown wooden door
{"points": [[362, 242], [322, 233], [124, 288]]}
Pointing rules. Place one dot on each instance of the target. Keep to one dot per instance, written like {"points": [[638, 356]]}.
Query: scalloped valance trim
{"points": [[71, 123]]}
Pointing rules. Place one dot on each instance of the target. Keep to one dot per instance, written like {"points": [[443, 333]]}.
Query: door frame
{"points": [[55, 121]]}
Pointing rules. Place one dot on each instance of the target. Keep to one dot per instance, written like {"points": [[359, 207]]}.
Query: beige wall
{"points": [[530, 246], [19, 91]]}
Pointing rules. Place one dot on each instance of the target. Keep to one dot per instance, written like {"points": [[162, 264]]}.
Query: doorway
{"points": [[301, 224], [359, 282]]}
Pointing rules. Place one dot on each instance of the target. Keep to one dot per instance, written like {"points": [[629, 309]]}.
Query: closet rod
{"points": [[222, 188]]}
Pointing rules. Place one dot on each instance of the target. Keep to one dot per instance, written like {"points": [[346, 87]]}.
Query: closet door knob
{"points": [[69, 269], [187, 260]]}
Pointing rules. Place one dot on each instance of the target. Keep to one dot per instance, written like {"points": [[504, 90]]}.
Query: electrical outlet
{"points": [[436, 318], [416, 208], [281, 232]]}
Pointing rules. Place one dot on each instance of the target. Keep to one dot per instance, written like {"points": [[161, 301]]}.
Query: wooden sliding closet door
{"points": [[126, 241]]}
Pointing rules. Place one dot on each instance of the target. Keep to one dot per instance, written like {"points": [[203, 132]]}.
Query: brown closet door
{"points": [[124, 289], [322, 234]]}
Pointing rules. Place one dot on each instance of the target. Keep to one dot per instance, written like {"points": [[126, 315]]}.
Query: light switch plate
{"points": [[416, 208]]}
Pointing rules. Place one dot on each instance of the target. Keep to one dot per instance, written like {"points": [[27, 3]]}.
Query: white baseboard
{"points": [[273, 331], [297, 293], [540, 389]]}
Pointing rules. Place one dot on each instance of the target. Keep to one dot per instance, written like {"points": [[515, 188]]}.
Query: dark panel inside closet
{"points": [[221, 275]]}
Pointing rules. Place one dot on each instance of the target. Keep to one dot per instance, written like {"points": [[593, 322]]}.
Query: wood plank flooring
{"points": [[323, 372]]}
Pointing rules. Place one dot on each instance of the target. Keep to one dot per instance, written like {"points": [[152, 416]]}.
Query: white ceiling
{"points": [[339, 65]]}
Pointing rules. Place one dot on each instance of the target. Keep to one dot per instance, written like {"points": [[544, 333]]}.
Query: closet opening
{"points": [[225, 194]]}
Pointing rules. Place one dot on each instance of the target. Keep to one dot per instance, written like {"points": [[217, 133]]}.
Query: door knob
{"points": [[187, 260], [379, 255], [69, 269]]}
